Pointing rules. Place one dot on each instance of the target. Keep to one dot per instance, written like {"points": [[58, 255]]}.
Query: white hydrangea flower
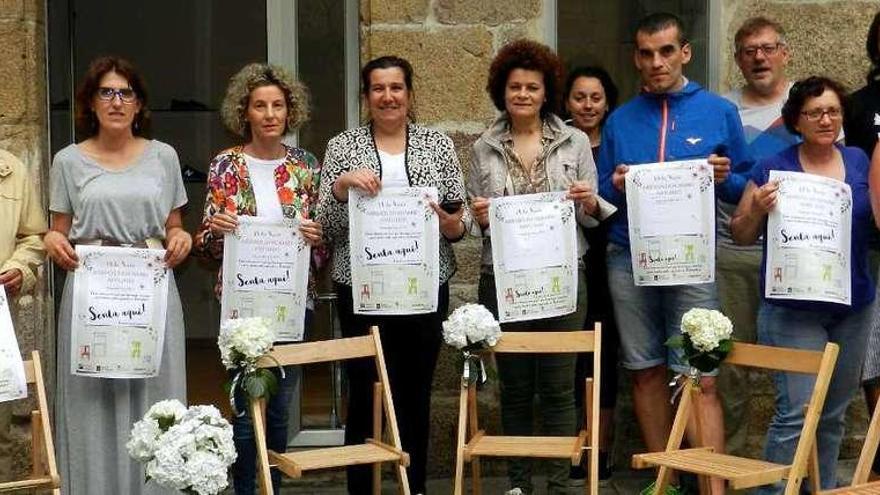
{"points": [[171, 409], [706, 328], [470, 324], [194, 453], [244, 340]]}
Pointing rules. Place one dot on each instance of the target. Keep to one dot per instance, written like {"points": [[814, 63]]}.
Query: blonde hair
{"points": [[252, 76]]}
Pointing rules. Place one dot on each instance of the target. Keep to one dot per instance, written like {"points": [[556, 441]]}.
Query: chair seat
{"points": [[32, 483], [550, 447], [866, 489], [294, 464], [740, 472]]}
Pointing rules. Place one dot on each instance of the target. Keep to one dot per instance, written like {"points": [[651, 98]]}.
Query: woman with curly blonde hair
{"points": [[267, 178]]}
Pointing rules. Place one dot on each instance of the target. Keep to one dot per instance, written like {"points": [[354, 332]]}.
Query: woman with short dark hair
{"points": [[814, 111], [114, 187], [526, 150], [391, 150]]}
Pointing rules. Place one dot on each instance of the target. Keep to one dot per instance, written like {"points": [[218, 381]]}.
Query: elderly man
{"points": [[692, 123], [762, 55], [22, 225]]}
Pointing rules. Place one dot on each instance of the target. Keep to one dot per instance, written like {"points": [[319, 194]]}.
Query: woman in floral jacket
{"points": [[265, 178]]}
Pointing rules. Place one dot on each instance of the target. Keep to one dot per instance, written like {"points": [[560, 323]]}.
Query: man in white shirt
{"points": [[762, 55]]}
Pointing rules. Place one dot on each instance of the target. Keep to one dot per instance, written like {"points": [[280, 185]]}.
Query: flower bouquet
{"points": [[704, 340], [471, 328], [242, 342], [188, 450]]}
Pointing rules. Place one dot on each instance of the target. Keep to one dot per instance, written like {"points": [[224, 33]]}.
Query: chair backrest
{"points": [[546, 342], [775, 358], [321, 352]]}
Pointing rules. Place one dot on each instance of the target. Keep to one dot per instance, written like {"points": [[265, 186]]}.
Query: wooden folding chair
{"points": [[740, 472], [473, 442], [44, 471], [374, 451], [860, 484]]}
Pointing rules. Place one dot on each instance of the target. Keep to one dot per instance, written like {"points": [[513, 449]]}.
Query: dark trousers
{"points": [[411, 344]]}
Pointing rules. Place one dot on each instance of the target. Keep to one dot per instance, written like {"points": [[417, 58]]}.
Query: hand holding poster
{"points": [[395, 251], [671, 209], [534, 255], [266, 274], [808, 239], [12, 379], [119, 304]]}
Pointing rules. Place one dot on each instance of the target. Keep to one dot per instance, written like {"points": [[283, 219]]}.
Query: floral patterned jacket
{"points": [[297, 181]]}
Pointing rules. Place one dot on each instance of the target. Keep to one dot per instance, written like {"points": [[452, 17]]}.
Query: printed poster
{"points": [[534, 255], [266, 274], [671, 209], [395, 251], [13, 384], [808, 239], [120, 298]]}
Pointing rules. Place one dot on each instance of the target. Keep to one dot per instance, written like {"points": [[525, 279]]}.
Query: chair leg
{"points": [[591, 485], [258, 408], [377, 435], [458, 482], [474, 427], [813, 469], [38, 453]]}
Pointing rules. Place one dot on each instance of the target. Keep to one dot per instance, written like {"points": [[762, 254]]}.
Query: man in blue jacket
{"points": [[672, 119]]}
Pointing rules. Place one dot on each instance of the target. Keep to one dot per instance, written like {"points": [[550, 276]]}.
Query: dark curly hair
{"points": [[802, 91], [872, 45], [84, 117], [604, 79], [528, 55]]}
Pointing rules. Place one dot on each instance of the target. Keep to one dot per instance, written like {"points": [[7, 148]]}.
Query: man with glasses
{"points": [[762, 55], [671, 119]]}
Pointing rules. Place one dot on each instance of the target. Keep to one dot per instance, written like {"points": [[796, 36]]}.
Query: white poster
{"points": [[13, 384], [671, 209], [808, 239], [266, 273], [120, 297], [395, 251], [534, 255]]}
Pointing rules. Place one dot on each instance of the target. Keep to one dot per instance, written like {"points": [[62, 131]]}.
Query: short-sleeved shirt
{"points": [[855, 164], [126, 205]]}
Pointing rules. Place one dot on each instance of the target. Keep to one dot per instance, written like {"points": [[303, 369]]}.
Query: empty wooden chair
{"points": [[44, 472], [473, 443], [860, 484], [375, 451], [739, 472]]}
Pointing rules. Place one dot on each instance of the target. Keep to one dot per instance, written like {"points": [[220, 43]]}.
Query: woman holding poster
{"points": [[267, 179], [812, 204], [392, 151], [528, 150], [115, 187]]}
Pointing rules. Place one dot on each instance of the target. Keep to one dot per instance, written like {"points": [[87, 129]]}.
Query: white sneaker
{"points": [[514, 491]]}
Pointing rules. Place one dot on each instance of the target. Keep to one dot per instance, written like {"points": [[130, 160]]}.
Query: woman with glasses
{"points": [[266, 178], [814, 111], [115, 187]]}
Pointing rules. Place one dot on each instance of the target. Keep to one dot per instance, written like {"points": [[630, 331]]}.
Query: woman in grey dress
{"points": [[115, 187]]}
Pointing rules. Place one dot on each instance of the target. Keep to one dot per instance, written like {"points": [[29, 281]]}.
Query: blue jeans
{"points": [[804, 329], [648, 316], [244, 471], [277, 416]]}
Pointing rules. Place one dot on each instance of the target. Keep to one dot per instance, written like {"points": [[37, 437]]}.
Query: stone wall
{"points": [[24, 132]]}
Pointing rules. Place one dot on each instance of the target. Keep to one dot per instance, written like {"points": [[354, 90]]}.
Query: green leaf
{"points": [[254, 386], [725, 346], [675, 342]]}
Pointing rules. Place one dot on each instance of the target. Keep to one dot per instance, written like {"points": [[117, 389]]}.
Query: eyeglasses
{"points": [[834, 113], [768, 49], [127, 95]]}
